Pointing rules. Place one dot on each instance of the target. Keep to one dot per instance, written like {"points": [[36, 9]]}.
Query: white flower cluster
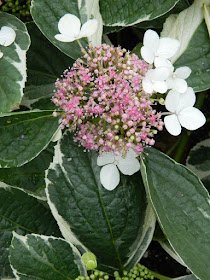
{"points": [[7, 37], [70, 28], [181, 98]]}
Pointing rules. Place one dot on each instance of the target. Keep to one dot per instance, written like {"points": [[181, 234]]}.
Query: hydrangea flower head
{"points": [[104, 104]]}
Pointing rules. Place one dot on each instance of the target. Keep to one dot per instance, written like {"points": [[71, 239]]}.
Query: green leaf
{"points": [[158, 22], [24, 135], [44, 258], [129, 12], [186, 277], [199, 161], [30, 177], [182, 206], [13, 64], [24, 214], [190, 29], [116, 226], [47, 13], [45, 64]]}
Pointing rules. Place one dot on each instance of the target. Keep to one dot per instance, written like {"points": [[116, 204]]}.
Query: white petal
{"points": [[64, 38], [147, 85], [172, 101], [160, 86], [1, 54], [88, 28], [147, 54], [186, 99], [160, 73], [167, 47], [183, 72], [162, 62], [180, 85], [105, 158], [7, 36], [69, 25], [172, 125], [170, 83], [128, 165], [151, 40], [109, 176], [57, 136], [191, 118], [131, 153]]}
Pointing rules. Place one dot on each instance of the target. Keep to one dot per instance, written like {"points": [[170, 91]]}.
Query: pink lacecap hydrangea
{"points": [[104, 104]]}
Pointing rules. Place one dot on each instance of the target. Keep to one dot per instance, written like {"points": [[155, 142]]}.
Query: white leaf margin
{"points": [[146, 238], [183, 26], [23, 240], [20, 66], [146, 184], [62, 223], [91, 8], [9, 187], [141, 19], [200, 173]]}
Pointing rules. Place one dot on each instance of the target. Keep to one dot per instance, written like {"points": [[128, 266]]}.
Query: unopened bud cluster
{"points": [[139, 272], [96, 275], [104, 104], [19, 8]]}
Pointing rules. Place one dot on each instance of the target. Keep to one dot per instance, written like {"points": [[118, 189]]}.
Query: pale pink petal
{"points": [[147, 54], [88, 28], [183, 72], [172, 101], [105, 158], [7, 36], [109, 176], [162, 62], [186, 99], [160, 86], [128, 165], [69, 25], [191, 118], [160, 73], [167, 47], [180, 85], [147, 86], [64, 38], [172, 125], [151, 40]]}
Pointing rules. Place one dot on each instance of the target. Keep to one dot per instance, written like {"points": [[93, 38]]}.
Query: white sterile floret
{"points": [[176, 79], [69, 26], [1, 54], [109, 175], [7, 36], [155, 80], [158, 50], [183, 112]]}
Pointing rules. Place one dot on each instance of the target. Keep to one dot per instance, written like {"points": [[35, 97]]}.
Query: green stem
{"points": [[173, 147], [159, 276], [183, 142]]}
